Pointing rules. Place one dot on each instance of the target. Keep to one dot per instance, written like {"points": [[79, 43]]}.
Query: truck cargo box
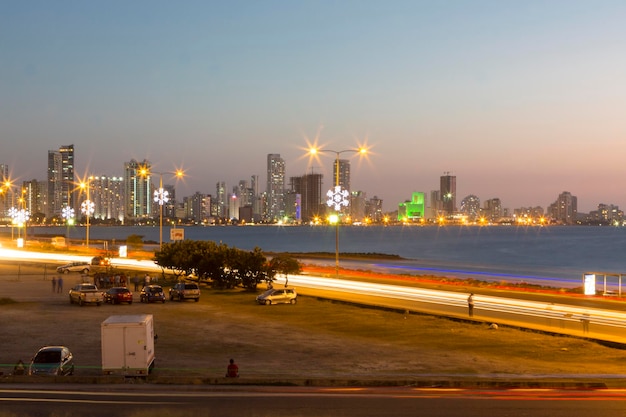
{"points": [[128, 345]]}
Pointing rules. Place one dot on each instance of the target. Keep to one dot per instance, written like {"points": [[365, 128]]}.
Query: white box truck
{"points": [[128, 345]]}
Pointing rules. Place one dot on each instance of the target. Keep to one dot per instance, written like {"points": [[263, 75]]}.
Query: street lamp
{"points": [[12, 212], [87, 207], [68, 215], [161, 195], [338, 197]]}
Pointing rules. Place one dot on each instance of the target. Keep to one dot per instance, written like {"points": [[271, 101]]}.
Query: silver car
{"points": [[82, 267], [52, 360], [278, 295]]}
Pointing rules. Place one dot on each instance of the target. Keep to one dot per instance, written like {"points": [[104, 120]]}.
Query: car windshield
{"points": [[48, 356], [155, 290]]}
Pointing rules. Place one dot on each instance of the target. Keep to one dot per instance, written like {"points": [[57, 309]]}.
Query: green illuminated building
{"points": [[412, 210]]}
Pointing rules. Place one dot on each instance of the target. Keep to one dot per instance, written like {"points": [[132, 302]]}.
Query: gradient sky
{"points": [[521, 100]]}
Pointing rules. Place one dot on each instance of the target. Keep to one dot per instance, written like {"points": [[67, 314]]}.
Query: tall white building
{"points": [[275, 187]]}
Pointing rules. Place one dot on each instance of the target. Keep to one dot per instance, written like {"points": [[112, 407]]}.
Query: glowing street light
{"points": [[338, 197], [68, 214], [87, 207], [161, 196]]}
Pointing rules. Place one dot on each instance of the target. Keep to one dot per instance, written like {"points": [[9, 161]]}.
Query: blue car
{"points": [[152, 294]]}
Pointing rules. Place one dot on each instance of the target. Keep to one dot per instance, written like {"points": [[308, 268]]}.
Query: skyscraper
{"points": [[447, 187], [62, 190], [137, 187], [275, 187], [341, 176], [309, 187]]}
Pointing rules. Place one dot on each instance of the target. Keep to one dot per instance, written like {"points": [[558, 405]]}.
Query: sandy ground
{"points": [[197, 339]]}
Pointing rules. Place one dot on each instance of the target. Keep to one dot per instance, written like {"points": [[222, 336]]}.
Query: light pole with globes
{"points": [[161, 196], [338, 197], [87, 207]]}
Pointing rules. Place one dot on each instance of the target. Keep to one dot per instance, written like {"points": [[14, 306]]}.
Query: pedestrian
{"points": [[136, 282], [146, 280], [60, 285], [470, 304], [54, 284], [232, 370]]}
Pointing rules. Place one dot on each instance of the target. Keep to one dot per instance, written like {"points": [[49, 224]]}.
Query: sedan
{"points": [[278, 295], [118, 295], [82, 267], [52, 360], [152, 293]]}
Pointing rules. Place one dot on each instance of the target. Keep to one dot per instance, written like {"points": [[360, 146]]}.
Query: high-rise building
{"points": [[107, 195], [447, 187], [470, 206], [493, 209], [341, 174], [374, 209], [34, 197], [221, 203], [137, 190], [275, 187], [69, 191], [309, 187], [565, 208]]}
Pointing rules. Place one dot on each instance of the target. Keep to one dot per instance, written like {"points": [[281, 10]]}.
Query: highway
{"points": [[579, 321], [133, 400]]}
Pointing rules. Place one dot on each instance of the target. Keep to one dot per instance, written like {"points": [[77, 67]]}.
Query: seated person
{"points": [[232, 371]]}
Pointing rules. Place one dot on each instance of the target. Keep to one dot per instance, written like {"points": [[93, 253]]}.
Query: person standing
{"points": [[60, 284], [232, 370], [54, 284], [470, 304]]}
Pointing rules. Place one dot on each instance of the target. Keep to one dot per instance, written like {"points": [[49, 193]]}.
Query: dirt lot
{"points": [[314, 339]]}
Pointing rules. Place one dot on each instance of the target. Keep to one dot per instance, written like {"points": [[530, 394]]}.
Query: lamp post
{"points": [[68, 215], [87, 207], [338, 197], [8, 186], [161, 195]]}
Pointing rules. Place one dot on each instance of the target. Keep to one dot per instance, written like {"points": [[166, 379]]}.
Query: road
{"points": [[227, 401]]}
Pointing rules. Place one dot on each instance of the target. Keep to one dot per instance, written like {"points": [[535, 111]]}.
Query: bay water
{"points": [[515, 253]]}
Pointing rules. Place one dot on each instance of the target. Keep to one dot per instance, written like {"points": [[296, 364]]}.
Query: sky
{"points": [[520, 100]]}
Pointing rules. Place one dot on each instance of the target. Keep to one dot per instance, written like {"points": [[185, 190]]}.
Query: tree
{"points": [[284, 264]]}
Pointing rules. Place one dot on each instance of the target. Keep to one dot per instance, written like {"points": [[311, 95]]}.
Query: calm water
{"points": [[522, 252]]}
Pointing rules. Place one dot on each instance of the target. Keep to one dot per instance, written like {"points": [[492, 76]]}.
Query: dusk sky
{"points": [[521, 100]]}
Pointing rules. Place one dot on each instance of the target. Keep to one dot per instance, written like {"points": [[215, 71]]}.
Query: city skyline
{"points": [[519, 101]]}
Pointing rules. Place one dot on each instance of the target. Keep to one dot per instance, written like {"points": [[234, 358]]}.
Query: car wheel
{"points": [[181, 298], [80, 302], [98, 304], [293, 301], [130, 302], [197, 299], [66, 271], [171, 297], [85, 271], [268, 302], [71, 301]]}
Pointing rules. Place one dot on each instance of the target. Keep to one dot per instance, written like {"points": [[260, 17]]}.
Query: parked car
{"points": [[278, 295], [52, 360], [117, 295], [185, 291], [152, 293], [100, 260], [85, 294], [82, 267]]}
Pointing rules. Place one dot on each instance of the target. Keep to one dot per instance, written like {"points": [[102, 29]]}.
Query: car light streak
{"points": [[558, 318]]}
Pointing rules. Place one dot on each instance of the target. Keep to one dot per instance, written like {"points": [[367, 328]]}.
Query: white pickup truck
{"points": [[82, 294]]}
